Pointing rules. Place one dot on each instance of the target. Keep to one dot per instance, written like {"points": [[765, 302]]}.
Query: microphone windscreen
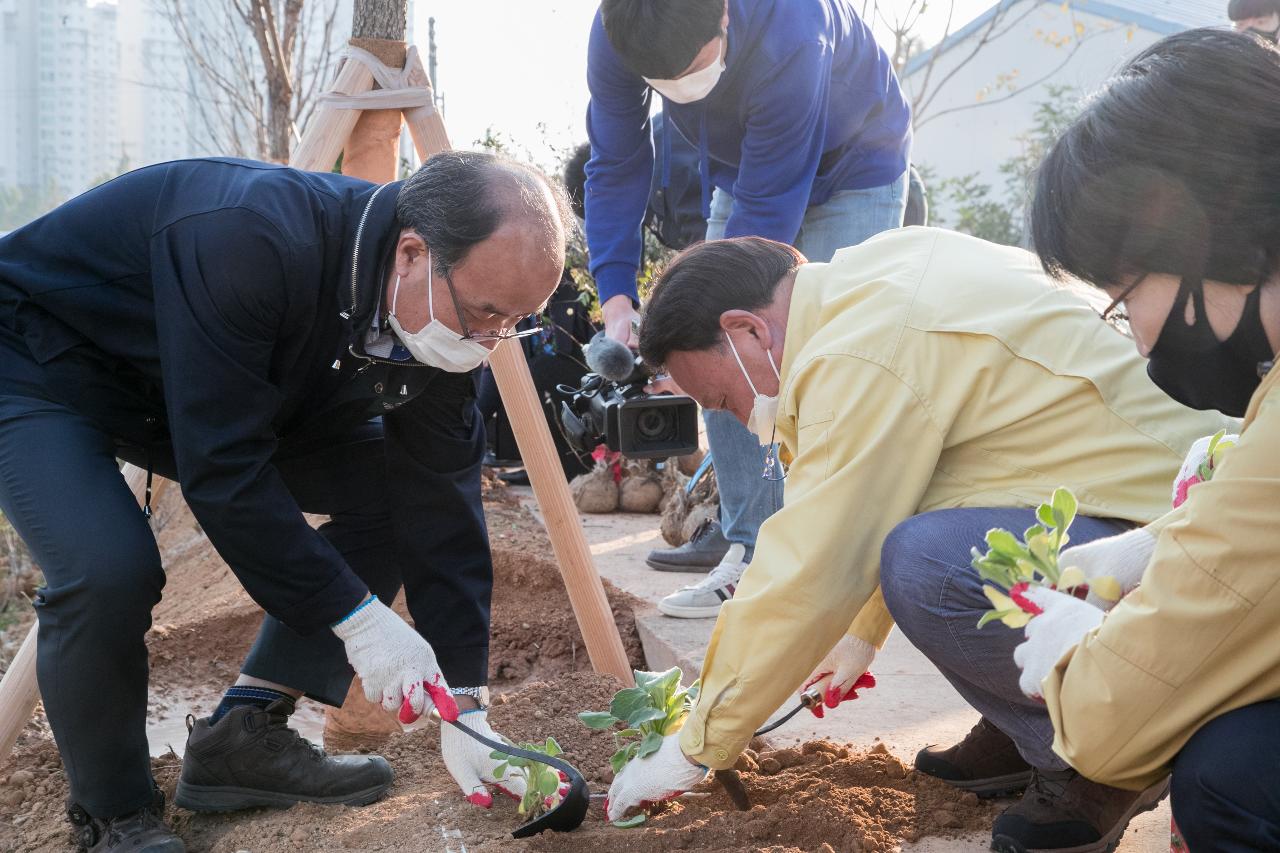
{"points": [[611, 359]]}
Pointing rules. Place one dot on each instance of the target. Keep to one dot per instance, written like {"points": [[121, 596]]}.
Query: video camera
{"points": [[618, 412]]}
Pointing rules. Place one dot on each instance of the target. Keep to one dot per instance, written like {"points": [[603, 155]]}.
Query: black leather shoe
{"points": [[143, 831], [702, 553], [251, 758]]}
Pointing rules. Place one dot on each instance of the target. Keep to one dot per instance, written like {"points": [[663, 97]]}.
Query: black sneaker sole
{"points": [[227, 798], [1149, 800]]}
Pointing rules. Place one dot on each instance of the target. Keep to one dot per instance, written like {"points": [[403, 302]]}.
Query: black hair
{"points": [[575, 178], [704, 281], [1240, 10], [459, 198], [1171, 168], [658, 39]]}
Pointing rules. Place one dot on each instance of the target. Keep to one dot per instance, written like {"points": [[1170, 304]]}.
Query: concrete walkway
{"points": [[913, 706]]}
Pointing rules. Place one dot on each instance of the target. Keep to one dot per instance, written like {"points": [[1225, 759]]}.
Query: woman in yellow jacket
{"points": [[1165, 193]]}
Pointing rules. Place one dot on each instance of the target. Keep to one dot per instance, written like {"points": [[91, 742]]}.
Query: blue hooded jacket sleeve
{"points": [[782, 147], [620, 167]]}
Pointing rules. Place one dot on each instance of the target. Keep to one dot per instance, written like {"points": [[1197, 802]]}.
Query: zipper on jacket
{"points": [[355, 255]]}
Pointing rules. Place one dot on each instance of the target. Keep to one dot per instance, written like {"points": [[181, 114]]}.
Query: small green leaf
{"points": [[1064, 504], [548, 784], [498, 756], [1003, 542], [991, 616], [652, 741], [630, 701], [1045, 514], [619, 759], [552, 748], [628, 733], [644, 716], [628, 823], [598, 719]]}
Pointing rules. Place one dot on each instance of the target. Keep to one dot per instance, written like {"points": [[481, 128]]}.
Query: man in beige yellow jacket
{"points": [[924, 387]]}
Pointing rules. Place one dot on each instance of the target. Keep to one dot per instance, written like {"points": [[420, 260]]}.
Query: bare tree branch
{"points": [[256, 68], [1079, 41], [926, 96]]}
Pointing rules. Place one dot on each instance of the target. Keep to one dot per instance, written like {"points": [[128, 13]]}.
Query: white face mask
{"points": [[435, 344], [764, 411], [692, 87]]}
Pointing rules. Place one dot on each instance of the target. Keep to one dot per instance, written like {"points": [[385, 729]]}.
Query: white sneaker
{"points": [[703, 599]]}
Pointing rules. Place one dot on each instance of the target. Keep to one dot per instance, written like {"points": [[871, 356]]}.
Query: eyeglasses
{"points": [[492, 334], [1115, 312]]}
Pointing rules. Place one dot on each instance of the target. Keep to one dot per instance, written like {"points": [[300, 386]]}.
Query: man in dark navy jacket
{"points": [[803, 136], [278, 342]]}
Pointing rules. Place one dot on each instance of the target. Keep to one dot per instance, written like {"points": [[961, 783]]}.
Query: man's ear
{"points": [[411, 250], [735, 321]]}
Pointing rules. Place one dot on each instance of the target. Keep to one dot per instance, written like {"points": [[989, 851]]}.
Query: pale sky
{"points": [[516, 64]]}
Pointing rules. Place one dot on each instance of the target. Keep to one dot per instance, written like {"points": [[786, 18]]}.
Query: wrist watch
{"points": [[480, 694]]}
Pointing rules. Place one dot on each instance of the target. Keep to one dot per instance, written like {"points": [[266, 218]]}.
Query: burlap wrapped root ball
{"points": [[683, 512], [595, 491], [641, 489]]}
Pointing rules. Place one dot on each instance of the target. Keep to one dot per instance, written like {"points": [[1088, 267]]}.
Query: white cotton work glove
{"points": [[660, 776], [469, 764], [1190, 473], [842, 673], [1123, 557], [396, 666], [1062, 622]]}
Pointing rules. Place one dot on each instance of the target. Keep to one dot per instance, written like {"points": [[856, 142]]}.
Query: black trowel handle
{"points": [[507, 749]]}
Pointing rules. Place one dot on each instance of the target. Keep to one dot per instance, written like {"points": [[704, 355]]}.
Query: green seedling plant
{"points": [[542, 782], [654, 708], [1011, 565]]}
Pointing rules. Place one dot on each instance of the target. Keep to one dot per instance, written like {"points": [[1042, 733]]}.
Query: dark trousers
{"points": [[61, 488], [1226, 782]]}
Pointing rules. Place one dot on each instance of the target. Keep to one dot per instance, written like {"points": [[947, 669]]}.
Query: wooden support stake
{"points": [[538, 452], [586, 592], [330, 128]]}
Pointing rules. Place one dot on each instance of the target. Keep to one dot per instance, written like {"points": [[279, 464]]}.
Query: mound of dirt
{"points": [[205, 624], [817, 797]]}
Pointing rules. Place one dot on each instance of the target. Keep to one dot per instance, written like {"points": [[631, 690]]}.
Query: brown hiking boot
{"points": [[986, 762], [1064, 812], [251, 757]]}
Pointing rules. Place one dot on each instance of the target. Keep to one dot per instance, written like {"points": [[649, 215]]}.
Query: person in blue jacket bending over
{"points": [[803, 136]]}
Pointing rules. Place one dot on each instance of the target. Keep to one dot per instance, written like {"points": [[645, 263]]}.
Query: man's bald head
{"points": [[458, 199], [490, 228]]}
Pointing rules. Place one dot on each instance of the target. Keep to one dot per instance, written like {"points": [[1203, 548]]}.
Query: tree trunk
{"points": [[379, 19], [371, 152]]}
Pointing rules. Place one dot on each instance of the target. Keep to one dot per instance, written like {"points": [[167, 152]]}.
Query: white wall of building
{"points": [[1036, 39]]}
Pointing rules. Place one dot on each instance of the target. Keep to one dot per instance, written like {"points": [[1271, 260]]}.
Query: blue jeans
{"points": [[846, 219], [936, 598], [1226, 782]]}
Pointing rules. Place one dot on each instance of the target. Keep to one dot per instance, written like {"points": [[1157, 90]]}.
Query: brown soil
{"points": [[816, 797], [205, 624]]}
